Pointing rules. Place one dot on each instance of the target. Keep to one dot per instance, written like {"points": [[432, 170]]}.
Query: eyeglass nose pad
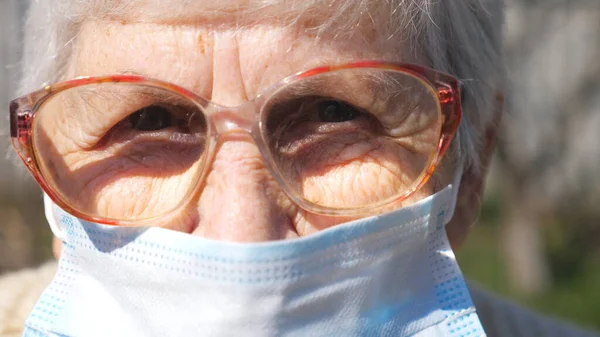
{"points": [[236, 119]]}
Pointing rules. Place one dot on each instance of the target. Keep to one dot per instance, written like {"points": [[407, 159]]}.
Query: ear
{"points": [[472, 184]]}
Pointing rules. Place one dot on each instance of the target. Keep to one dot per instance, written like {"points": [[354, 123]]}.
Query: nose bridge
{"points": [[240, 200], [232, 119]]}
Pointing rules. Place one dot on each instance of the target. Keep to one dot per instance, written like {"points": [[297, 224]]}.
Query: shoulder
{"points": [[502, 318], [19, 291]]}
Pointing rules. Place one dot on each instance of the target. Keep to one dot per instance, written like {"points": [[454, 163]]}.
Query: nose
{"points": [[240, 201]]}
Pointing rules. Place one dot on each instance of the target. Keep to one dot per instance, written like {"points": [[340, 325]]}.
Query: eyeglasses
{"points": [[339, 140]]}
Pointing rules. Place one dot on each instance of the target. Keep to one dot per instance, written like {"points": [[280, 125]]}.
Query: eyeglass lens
{"points": [[344, 139]]}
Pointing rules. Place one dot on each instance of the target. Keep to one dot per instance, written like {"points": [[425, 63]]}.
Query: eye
{"points": [[151, 118], [333, 111]]}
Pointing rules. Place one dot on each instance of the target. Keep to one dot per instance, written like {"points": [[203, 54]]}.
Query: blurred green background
{"points": [[537, 239], [570, 285]]}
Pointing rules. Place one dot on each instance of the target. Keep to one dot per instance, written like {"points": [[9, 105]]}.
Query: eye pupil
{"points": [[151, 118], [336, 112]]}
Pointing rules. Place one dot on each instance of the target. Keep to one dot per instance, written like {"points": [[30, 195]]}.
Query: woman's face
{"points": [[218, 60]]}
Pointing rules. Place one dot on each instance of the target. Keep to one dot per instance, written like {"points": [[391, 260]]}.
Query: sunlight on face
{"points": [[343, 140]]}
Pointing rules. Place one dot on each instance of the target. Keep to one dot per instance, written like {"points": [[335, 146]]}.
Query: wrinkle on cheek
{"points": [[135, 197], [130, 186], [349, 171], [113, 200], [421, 141], [355, 183], [310, 223]]}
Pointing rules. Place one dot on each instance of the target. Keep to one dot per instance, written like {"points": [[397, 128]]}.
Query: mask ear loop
{"points": [[56, 229], [455, 182]]}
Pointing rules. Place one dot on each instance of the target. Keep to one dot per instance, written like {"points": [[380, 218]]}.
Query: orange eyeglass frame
{"points": [[23, 114]]}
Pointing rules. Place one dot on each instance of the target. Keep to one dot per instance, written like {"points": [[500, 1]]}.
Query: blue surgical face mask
{"points": [[388, 275]]}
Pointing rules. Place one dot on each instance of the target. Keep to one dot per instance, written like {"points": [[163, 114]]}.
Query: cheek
{"points": [[309, 223], [130, 181], [354, 174], [355, 170]]}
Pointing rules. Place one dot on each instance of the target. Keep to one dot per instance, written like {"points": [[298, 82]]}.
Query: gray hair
{"points": [[461, 37]]}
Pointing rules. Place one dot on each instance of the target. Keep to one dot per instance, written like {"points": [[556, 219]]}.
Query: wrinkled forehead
{"points": [[275, 38]]}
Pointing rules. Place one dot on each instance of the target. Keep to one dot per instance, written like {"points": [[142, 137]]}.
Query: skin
{"points": [[239, 200]]}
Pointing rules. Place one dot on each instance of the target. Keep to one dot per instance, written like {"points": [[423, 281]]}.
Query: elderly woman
{"points": [[262, 167]]}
